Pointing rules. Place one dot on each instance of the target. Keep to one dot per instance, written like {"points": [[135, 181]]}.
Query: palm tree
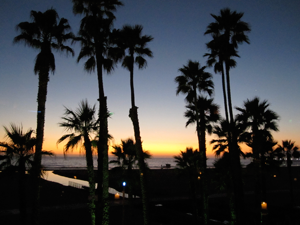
{"points": [[259, 121], [222, 130], [17, 155], [46, 32], [228, 31], [192, 82], [208, 114], [223, 167], [82, 124], [95, 30], [290, 150], [189, 160], [217, 57], [135, 44], [127, 159]]}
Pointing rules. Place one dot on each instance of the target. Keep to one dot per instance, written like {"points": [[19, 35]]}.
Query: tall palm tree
{"points": [[127, 159], [217, 57], [189, 160], [45, 32], [290, 150], [17, 154], [228, 31], [135, 46], [193, 81], [259, 121], [94, 36], [82, 125]]}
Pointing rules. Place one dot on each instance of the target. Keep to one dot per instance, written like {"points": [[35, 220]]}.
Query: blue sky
{"points": [[268, 68]]}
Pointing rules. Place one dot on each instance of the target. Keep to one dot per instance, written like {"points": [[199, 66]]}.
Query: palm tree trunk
{"points": [[134, 118], [230, 186], [235, 158], [289, 168], [194, 194], [91, 179], [105, 194], [224, 95], [41, 99], [102, 150], [22, 191], [133, 114], [203, 167], [257, 177]]}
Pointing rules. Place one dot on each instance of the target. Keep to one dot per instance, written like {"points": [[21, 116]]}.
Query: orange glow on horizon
{"points": [[155, 149]]}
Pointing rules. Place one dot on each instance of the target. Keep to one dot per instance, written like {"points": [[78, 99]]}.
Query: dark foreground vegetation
{"points": [[169, 195]]}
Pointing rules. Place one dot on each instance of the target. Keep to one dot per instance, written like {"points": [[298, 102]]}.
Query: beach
{"points": [[169, 196]]}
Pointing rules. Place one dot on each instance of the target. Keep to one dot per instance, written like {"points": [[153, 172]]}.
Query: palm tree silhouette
{"points": [[95, 35], [126, 154], [46, 32], [193, 81], [221, 144], [135, 44], [223, 170], [17, 155], [82, 124], [289, 150], [217, 57], [228, 31], [258, 121], [189, 160]]}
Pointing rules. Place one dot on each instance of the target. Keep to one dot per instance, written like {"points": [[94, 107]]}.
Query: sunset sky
{"points": [[268, 68]]}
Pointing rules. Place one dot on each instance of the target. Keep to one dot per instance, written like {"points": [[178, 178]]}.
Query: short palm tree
{"points": [[18, 155], [135, 49], [46, 33], [189, 160], [259, 121], [222, 165], [127, 159], [194, 81], [221, 144], [82, 125], [290, 150], [95, 39]]}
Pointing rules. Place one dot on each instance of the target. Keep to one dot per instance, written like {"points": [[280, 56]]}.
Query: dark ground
{"points": [[66, 205]]}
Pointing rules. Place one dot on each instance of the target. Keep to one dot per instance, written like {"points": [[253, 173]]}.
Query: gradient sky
{"points": [[268, 68]]}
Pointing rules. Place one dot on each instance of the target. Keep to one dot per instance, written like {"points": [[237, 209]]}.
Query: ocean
{"points": [[78, 162]]}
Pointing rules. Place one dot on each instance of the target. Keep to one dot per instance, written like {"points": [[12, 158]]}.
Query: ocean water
{"points": [[78, 162]]}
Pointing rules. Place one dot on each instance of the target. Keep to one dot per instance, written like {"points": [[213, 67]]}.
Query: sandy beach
{"points": [[169, 195]]}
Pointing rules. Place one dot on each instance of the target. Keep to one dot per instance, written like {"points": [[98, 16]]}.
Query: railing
{"points": [[75, 185]]}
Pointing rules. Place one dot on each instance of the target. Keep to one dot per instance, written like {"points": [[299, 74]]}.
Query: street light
{"points": [[123, 216], [124, 185]]}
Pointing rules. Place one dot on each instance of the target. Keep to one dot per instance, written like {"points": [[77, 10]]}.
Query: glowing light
{"points": [[274, 175], [124, 184], [295, 179], [117, 196], [264, 206], [198, 177], [75, 177]]}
